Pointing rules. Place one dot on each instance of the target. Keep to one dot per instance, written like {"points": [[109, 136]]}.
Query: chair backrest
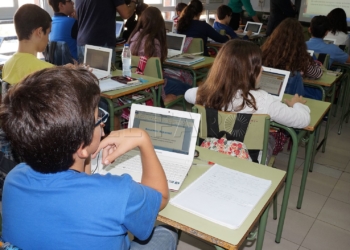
{"points": [[323, 58], [196, 46], [256, 134], [153, 66], [58, 53], [344, 48]]}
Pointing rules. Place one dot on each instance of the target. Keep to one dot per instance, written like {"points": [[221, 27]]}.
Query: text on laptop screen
{"points": [[97, 59], [174, 42], [271, 82], [253, 27], [168, 133]]}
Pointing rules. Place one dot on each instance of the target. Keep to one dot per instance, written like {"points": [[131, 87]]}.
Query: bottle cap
{"points": [[126, 45]]}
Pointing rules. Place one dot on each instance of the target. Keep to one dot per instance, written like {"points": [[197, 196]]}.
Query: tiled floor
{"points": [[323, 222]]}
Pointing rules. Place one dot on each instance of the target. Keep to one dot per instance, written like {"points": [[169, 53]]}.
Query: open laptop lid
{"points": [[254, 27], [99, 60], [173, 133], [169, 25], [175, 42], [118, 28], [311, 52], [274, 81], [330, 40]]}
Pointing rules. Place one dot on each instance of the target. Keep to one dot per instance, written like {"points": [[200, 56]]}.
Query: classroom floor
{"points": [[323, 222]]}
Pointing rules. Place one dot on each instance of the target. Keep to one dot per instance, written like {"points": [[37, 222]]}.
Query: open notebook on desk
{"points": [[223, 196], [173, 134]]}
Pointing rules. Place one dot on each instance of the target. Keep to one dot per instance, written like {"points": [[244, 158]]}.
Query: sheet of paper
{"points": [[222, 195]]}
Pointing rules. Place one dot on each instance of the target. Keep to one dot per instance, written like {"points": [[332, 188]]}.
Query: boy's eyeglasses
{"points": [[102, 116]]}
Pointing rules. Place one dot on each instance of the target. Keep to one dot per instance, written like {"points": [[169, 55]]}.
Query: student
{"points": [[278, 52], [338, 27], [236, 6], [130, 24], [70, 209], [33, 26], [233, 85], [64, 26], [149, 39], [190, 25], [178, 10], [279, 10], [224, 14], [319, 28]]}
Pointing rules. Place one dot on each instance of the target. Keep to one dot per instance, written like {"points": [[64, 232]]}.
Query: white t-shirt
{"points": [[297, 116], [341, 38]]}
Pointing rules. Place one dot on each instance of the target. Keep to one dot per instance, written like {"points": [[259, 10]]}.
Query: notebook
{"points": [[223, 196], [173, 134], [99, 60], [252, 26], [274, 81], [187, 60], [175, 44]]}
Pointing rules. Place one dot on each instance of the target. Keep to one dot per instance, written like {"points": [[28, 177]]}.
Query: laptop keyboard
{"points": [[131, 162]]}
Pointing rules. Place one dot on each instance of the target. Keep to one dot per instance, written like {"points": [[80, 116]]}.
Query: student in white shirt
{"points": [[339, 27], [233, 85]]}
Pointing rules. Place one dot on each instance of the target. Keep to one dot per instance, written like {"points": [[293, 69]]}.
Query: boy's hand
{"points": [[120, 142], [249, 33], [296, 98]]}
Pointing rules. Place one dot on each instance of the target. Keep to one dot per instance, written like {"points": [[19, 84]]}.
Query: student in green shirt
{"points": [[236, 6]]}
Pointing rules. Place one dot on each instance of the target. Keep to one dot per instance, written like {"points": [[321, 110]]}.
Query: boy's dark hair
{"points": [[223, 11], [319, 26], [180, 6], [49, 115], [28, 18], [54, 4]]}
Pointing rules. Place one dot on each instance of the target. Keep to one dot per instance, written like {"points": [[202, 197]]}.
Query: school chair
{"points": [[251, 129], [196, 46], [154, 69], [58, 53]]}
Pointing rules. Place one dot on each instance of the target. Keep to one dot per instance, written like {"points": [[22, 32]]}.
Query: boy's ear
{"points": [[309, 29], [38, 32], [82, 152]]}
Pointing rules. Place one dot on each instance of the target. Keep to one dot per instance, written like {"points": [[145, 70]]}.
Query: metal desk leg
{"points": [[288, 184], [308, 156], [328, 120], [262, 228], [156, 103], [317, 135]]}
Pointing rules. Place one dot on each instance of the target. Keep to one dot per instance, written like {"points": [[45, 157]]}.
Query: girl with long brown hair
{"points": [[233, 85], [149, 39], [286, 49]]}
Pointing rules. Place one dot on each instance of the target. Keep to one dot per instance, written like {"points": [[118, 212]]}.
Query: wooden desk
{"points": [[198, 70], [114, 94], [318, 110], [209, 231], [326, 81]]}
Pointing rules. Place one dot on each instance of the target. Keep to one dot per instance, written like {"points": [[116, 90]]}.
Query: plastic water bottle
{"points": [[126, 57]]}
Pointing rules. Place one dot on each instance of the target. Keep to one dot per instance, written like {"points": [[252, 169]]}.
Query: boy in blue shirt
{"points": [[64, 26], [49, 202], [319, 28], [224, 14]]}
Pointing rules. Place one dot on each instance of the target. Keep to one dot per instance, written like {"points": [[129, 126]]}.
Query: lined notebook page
{"points": [[223, 196]]}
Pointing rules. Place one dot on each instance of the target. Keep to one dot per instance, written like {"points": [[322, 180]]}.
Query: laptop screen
{"points": [[329, 41], [253, 27], [97, 59], [174, 42], [118, 28], [167, 132], [272, 83]]}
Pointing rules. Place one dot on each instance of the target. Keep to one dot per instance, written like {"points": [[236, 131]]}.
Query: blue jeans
{"points": [[162, 238], [81, 53], [175, 87]]}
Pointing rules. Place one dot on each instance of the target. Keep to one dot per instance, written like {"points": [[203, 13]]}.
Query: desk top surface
{"points": [[206, 229], [208, 62], [126, 91], [325, 80], [318, 110]]}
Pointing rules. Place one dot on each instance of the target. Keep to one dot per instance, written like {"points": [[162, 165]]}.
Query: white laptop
{"points": [[330, 40], [118, 28], [173, 134], [253, 27], [99, 60], [169, 25], [175, 44], [311, 52], [274, 81]]}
